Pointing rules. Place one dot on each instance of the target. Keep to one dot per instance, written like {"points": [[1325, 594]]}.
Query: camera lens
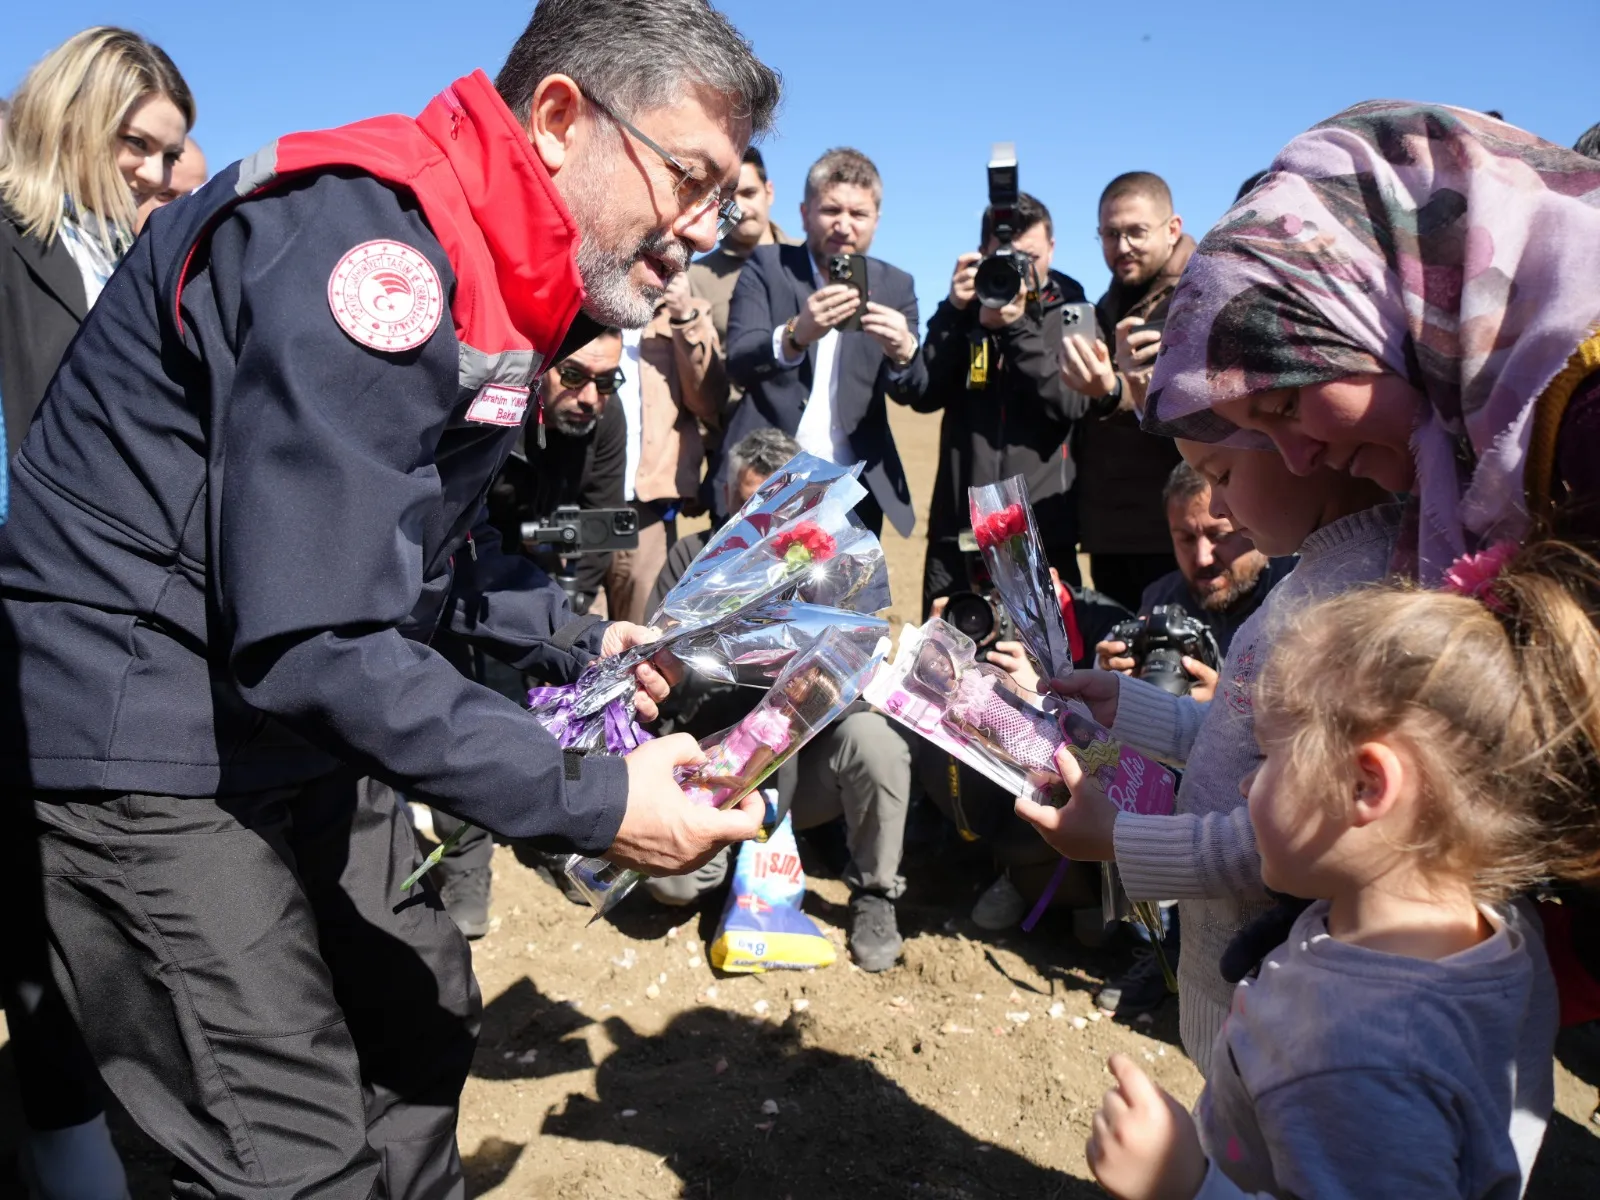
{"points": [[971, 614], [1164, 668], [998, 281]]}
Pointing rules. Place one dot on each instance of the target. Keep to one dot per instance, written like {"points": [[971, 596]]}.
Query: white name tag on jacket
{"points": [[499, 404]]}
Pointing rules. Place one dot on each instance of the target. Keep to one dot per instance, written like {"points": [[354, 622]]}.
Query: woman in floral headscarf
{"points": [[1412, 295]]}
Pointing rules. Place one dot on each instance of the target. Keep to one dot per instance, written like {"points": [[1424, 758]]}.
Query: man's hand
{"points": [[1099, 690], [999, 318], [887, 326], [1144, 1145], [824, 309], [1086, 366], [1136, 358], [664, 832], [681, 302], [1114, 656], [1205, 687], [1083, 827], [963, 283], [1012, 658], [653, 679]]}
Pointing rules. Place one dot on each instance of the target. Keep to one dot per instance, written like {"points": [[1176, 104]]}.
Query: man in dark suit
{"points": [[823, 385]]}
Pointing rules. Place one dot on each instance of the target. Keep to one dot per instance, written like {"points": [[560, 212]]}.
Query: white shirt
{"points": [[632, 401]]}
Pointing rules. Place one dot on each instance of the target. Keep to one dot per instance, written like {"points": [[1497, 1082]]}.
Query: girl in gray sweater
{"points": [[1204, 856], [1427, 754]]}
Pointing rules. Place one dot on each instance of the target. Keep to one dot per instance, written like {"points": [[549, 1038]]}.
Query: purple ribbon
{"points": [[1056, 877], [618, 727]]}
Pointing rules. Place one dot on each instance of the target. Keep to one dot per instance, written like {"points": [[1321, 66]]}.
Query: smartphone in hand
{"points": [[850, 270]]}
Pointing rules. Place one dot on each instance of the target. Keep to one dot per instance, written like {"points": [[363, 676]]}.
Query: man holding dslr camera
{"points": [[994, 368]]}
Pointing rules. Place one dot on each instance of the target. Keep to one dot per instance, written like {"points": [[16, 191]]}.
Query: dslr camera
{"points": [[570, 531], [1002, 274], [1159, 643], [979, 612]]}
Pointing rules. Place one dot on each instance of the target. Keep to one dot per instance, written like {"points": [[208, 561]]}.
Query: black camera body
{"points": [[574, 530], [979, 612], [1159, 643], [1002, 274]]}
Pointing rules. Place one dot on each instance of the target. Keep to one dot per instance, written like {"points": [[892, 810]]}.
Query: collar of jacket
{"points": [[491, 203], [1144, 298]]}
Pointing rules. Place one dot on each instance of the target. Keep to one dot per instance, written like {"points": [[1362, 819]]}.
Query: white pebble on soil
{"points": [[651, 992], [769, 1108]]}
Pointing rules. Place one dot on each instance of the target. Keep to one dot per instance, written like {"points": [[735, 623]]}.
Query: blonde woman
{"points": [[94, 129]]}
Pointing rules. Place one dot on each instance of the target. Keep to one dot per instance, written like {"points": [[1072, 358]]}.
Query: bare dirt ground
{"points": [[615, 1063]]}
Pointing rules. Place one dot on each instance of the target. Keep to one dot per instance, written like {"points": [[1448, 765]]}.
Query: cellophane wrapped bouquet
{"points": [[1003, 524], [815, 686], [792, 563]]}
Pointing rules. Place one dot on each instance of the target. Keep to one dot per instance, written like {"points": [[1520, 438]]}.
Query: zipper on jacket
{"points": [[452, 101]]}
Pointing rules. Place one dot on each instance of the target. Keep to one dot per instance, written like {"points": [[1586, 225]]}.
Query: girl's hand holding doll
{"points": [[1082, 828], [1144, 1145]]}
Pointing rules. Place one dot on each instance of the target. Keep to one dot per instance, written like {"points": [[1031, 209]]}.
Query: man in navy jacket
{"points": [[823, 385], [252, 498]]}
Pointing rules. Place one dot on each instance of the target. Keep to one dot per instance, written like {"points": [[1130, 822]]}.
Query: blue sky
{"points": [[1202, 92]]}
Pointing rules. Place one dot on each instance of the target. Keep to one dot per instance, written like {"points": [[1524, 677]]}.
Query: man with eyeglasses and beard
{"points": [[1121, 471], [249, 508]]}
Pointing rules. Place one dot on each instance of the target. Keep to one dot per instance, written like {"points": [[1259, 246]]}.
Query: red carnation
{"points": [[807, 542], [998, 528]]}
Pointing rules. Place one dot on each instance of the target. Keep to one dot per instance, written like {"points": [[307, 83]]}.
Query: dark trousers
{"points": [[258, 992], [1124, 577], [56, 1079], [944, 568]]}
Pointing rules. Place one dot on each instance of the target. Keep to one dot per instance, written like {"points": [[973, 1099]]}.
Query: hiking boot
{"points": [[874, 937], [466, 899], [1140, 989], [1001, 907]]}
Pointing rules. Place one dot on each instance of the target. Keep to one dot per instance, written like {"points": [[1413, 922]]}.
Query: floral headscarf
{"points": [[1435, 243]]}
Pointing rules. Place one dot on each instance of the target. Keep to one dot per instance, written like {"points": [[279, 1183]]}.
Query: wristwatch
{"points": [[789, 339]]}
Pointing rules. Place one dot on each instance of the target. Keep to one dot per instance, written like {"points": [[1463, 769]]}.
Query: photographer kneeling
{"points": [[994, 369], [1221, 579]]}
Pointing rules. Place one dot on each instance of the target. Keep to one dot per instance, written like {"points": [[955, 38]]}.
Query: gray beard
{"points": [[610, 297], [576, 429]]}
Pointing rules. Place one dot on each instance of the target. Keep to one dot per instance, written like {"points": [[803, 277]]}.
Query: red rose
{"points": [[1009, 522], [998, 528], [806, 542]]}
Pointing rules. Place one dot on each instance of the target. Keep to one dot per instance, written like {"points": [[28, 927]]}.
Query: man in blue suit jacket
{"points": [[822, 385]]}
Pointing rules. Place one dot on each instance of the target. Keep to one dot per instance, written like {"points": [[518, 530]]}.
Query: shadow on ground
{"points": [[841, 1129]]}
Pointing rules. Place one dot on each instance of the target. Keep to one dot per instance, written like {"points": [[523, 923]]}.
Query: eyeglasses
{"points": [[704, 195], [572, 376], [1137, 236]]}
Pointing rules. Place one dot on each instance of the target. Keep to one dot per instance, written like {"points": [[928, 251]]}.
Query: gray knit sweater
{"points": [[1204, 857]]}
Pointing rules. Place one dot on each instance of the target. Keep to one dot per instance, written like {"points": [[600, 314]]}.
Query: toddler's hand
{"points": [[1083, 828], [1144, 1145]]}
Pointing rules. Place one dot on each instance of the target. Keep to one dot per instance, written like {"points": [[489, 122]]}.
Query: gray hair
{"points": [[638, 55], [844, 165], [763, 451], [1185, 484]]}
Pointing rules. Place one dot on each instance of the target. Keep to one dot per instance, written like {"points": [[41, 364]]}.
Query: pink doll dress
{"points": [[764, 727], [1026, 736]]}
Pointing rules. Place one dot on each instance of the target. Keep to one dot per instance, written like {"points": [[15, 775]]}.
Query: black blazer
{"points": [[774, 284], [42, 303]]}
